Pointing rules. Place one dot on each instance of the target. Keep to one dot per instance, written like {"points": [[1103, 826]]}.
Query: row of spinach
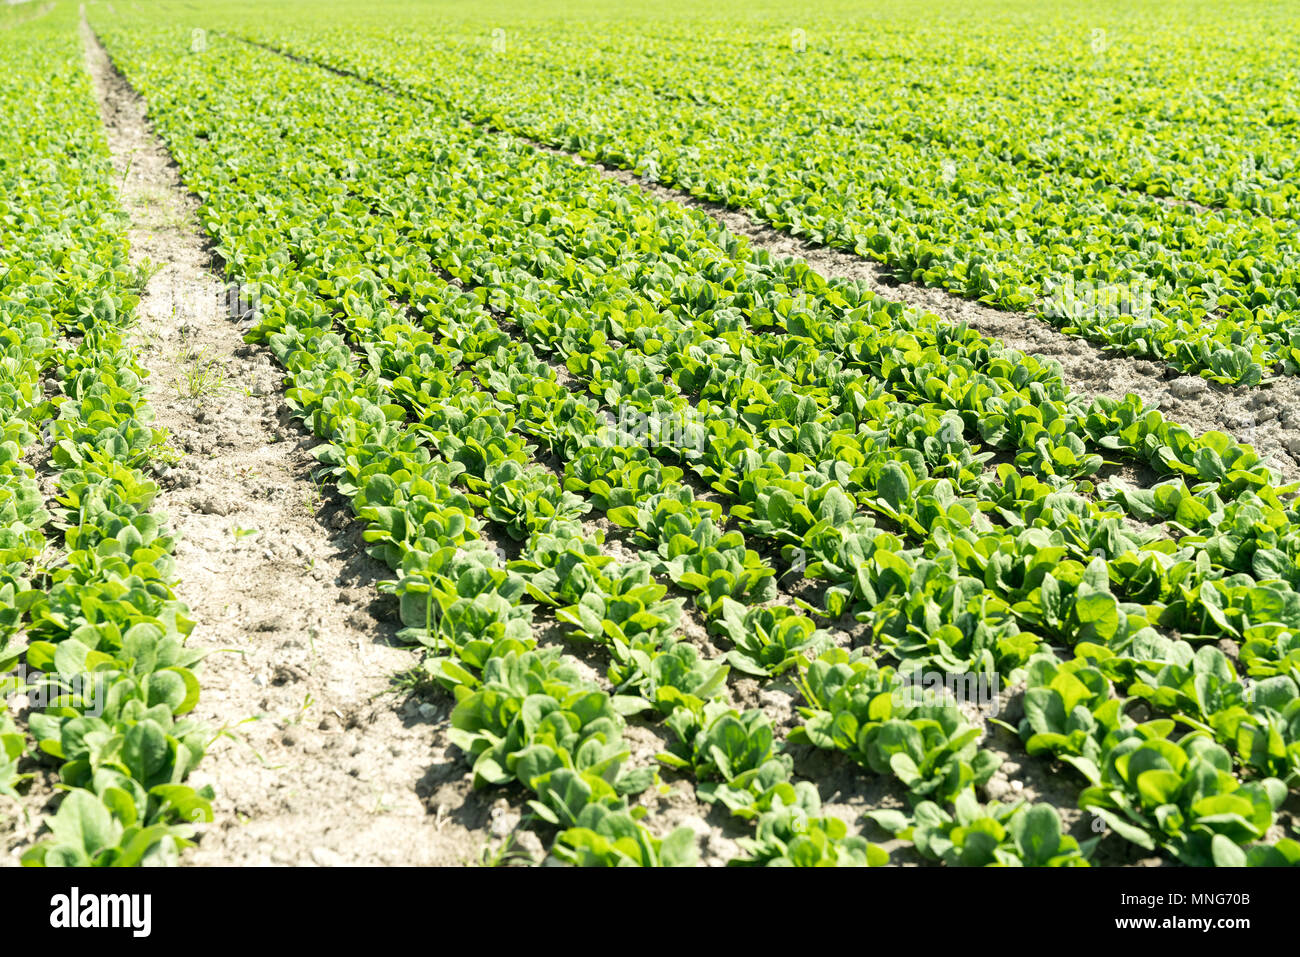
{"points": [[93, 636], [370, 273]]}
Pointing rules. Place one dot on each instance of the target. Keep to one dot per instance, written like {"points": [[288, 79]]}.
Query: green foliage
{"points": [[889, 727], [992, 835], [796, 835], [1182, 797], [521, 357]]}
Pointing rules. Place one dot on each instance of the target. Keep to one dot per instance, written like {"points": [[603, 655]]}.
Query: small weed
{"points": [[163, 453], [314, 500], [307, 703], [144, 272], [502, 855], [204, 377], [414, 681]]}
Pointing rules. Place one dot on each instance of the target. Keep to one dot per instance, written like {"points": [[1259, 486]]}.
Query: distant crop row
{"points": [[1027, 185], [457, 310]]}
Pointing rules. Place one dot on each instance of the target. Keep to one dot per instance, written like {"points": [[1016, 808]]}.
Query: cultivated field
{"points": [[462, 433]]}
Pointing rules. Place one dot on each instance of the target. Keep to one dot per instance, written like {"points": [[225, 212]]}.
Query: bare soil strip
{"points": [[321, 765]]}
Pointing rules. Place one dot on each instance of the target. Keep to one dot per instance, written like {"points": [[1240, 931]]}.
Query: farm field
{"points": [[549, 433]]}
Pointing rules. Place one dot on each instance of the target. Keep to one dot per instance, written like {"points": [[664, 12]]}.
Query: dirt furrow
{"points": [[319, 762]]}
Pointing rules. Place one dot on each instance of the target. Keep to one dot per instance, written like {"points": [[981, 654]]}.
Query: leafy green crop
{"points": [[605, 838], [997, 188], [1182, 797], [795, 835], [560, 406], [103, 636], [995, 835], [869, 713]]}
